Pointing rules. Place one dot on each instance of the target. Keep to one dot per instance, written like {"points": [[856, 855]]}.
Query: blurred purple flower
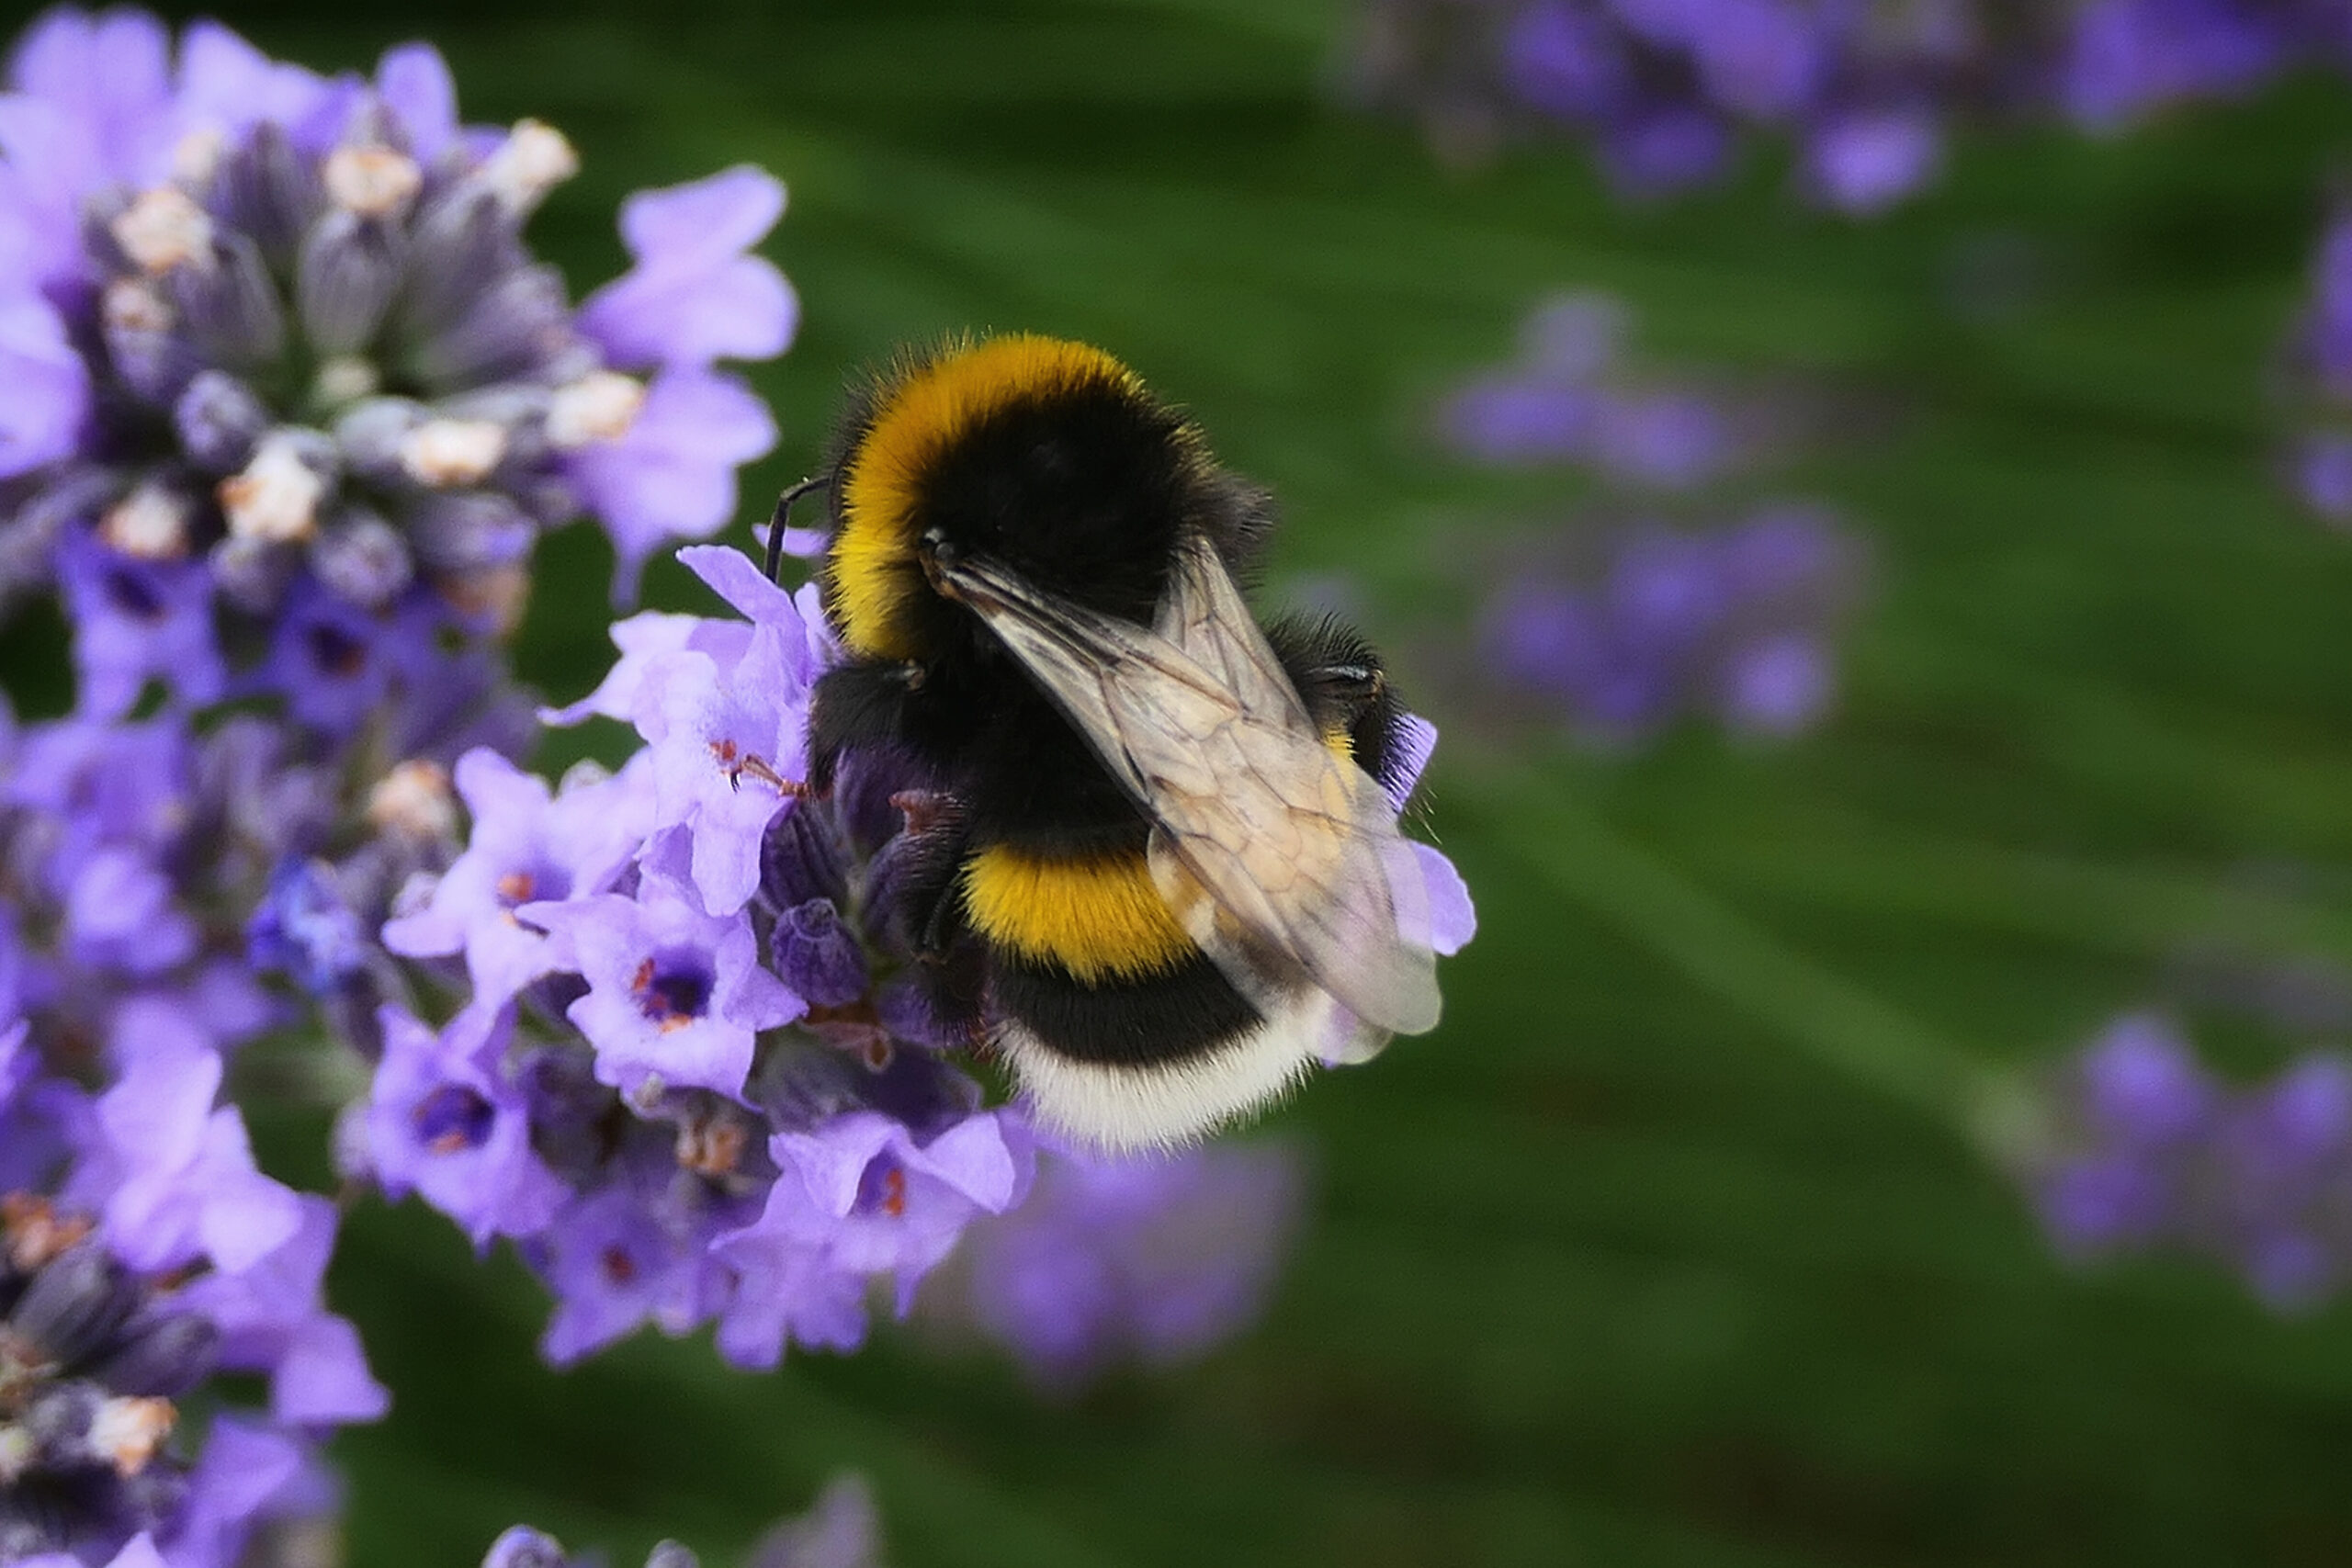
{"points": [[136, 621], [305, 928], [1155, 1261], [179, 1173], [2148, 1151], [2126, 58], [1574, 395], [1660, 89], [1737, 623], [1867, 163], [2319, 388], [272, 1319]]}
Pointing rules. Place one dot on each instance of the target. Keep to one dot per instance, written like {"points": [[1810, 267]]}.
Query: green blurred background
{"points": [[1678, 1244]]}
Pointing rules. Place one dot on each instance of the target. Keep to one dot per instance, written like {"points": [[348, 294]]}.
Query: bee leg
{"points": [[928, 873], [782, 515], [856, 705]]}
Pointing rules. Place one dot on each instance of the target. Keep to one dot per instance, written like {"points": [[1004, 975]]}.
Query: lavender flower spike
{"points": [[271, 336], [140, 1253], [2147, 1151]]}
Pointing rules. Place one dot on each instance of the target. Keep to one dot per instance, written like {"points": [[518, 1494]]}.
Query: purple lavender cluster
{"points": [[689, 1067], [1575, 393], [1150, 1262], [1737, 623], [2150, 1152], [617, 1093], [141, 1252], [1868, 93], [283, 387], [227, 272], [1620, 628], [284, 401]]}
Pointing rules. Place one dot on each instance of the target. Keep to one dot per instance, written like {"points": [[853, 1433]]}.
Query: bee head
{"points": [[1047, 458]]}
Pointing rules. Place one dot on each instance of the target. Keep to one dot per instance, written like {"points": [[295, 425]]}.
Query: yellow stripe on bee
{"points": [[1098, 916], [913, 422]]}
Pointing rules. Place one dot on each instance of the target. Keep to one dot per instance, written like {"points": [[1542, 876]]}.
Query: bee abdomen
{"points": [[1097, 917], [1172, 1016], [1086, 954]]}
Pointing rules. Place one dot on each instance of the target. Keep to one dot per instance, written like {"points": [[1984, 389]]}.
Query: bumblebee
{"points": [[1165, 876]]}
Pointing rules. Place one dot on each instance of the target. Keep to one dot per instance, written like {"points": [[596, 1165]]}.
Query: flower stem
{"points": [[1578, 856]]}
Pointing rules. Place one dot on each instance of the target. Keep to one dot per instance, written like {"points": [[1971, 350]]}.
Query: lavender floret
{"points": [[279, 338]]}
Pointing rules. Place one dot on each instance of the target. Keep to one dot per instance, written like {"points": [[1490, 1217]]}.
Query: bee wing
{"points": [[1277, 855]]}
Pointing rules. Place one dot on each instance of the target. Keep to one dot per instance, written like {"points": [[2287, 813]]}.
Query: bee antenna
{"points": [[783, 511]]}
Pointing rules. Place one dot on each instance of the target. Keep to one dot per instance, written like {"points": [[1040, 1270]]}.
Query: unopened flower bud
{"points": [[492, 599], [471, 530], [132, 305], [817, 955], [164, 1359], [163, 229], [372, 182], [220, 420], [362, 558], [802, 857], [197, 155], [251, 573], [73, 1304], [415, 799], [150, 523], [349, 269], [445, 453], [371, 433], [600, 406], [533, 159], [523, 1546], [275, 498]]}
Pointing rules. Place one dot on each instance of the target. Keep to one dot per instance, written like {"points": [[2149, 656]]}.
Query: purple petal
{"points": [[413, 82], [731, 574], [44, 387], [694, 295], [324, 1380], [672, 476], [1453, 921], [703, 220]]}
